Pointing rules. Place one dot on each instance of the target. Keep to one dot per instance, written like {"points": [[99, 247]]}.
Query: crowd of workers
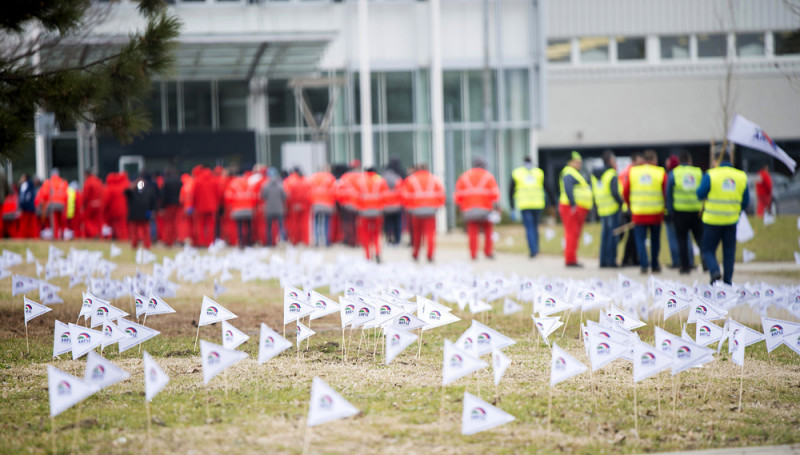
{"points": [[355, 206], [640, 199]]}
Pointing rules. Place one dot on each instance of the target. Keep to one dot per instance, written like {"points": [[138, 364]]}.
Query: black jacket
{"points": [[171, 192], [141, 202]]}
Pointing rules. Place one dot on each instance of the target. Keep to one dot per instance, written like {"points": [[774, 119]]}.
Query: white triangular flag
{"points": [[327, 405], [797, 258], [623, 319], [53, 253], [364, 313], [768, 218], [396, 342], [549, 233], [563, 366], [747, 255], [500, 363], [29, 257], [405, 321], [62, 343], [154, 378], [102, 310], [232, 337], [587, 238], [157, 305], [89, 300], [547, 326], [648, 361], [666, 342], [751, 336], [144, 257], [479, 339], [511, 307], [738, 348], [294, 309], [303, 332], [112, 333], [23, 284], [215, 359], [604, 350], [140, 303], [270, 344], [706, 332], [674, 303], [212, 312], [551, 304], [775, 329], [32, 309], [138, 334], [115, 251], [323, 306], [347, 310], [744, 231], [479, 415], [101, 373], [434, 317], [65, 390], [385, 312], [84, 340], [458, 363], [689, 354], [792, 341], [705, 309], [48, 295]]}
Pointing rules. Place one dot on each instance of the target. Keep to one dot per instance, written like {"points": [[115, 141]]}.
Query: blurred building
{"points": [[620, 74]]}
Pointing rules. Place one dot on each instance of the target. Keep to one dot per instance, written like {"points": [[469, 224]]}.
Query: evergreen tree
{"points": [[45, 62]]}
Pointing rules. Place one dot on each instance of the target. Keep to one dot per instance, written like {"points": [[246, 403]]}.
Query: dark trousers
{"points": [[281, 228], [629, 254], [685, 223], [608, 240], [393, 227], [640, 232], [244, 228], [712, 236], [530, 219]]}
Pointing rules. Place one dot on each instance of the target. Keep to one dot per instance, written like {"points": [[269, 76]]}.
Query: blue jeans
{"points": [[672, 239], [393, 227], [530, 219], [608, 241], [640, 232], [712, 235], [321, 226], [281, 228]]}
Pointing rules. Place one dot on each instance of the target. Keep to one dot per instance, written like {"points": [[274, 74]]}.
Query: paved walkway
{"points": [[766, 450]]}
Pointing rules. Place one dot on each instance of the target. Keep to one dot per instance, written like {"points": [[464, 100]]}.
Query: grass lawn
{"points": [[776, 242], [262, 408]]}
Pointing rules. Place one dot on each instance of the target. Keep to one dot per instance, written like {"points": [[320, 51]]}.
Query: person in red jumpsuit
{"points": [[92, 205], [205, 206], [52, 199], [371, 191], [115, 205], [298, 205], [763, 190]]}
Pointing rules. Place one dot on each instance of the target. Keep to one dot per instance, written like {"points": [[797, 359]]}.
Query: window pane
{"points": [[318, 100], [233, 104], [475, 80], [558, 50], [422, 96], [711, 46], [674, 47], [399, 97], [423, 147], [516, 104], [594, 49], [787, 43], [630, 48], [401, 146], [172, 105], [451, 83], [153, 106], [197, 105], [280, 103], [357, 96], [750, 45]]}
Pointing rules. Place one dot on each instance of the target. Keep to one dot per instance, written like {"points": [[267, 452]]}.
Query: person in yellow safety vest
{"points": [[526, 194], [724, 190], [574, 203], [607, 198], [684, 207], [644, 193]]}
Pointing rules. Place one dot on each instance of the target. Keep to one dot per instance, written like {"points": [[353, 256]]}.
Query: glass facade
{"points": [[629, 48], [594, 49], [712, 46], [787, 43], [675, 47], [558, 50], [750, 45]]}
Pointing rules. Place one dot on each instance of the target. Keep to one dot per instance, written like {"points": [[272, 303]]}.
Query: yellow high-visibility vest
{"points": [[581, 191], [606, 204], [724, 201], [684, 193], [70, 203], [646, 189], [528, 188]]}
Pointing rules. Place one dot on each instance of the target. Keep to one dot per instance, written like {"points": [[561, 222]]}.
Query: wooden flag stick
{"points": [[658, 395], [145, 322], [344, 354], [149, 445], [580, 325], [566, 323], [594, 389], [306, 440], [53, 433], [27, 345], [741, 384], [77, 426], [197, 337], [208, 411], [635, 410], [308, 340], [375, 347], [419, 350], [441, 414], [549, 406], [675, 387]]}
